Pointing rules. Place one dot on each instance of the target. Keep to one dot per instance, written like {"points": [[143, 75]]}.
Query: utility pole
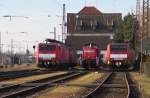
{"points": [[145, 30], [139, 18], [59, 37], [64, 23], [12, 58], [0, 49], [145, 24], [138, 10], [54, 32], [139, 40]]}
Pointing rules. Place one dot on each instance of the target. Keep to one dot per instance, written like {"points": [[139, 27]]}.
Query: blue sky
{"points": [[38, 25]]}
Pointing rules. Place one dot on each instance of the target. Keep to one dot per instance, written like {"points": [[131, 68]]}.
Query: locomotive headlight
{"points": [[120, 63], [108, 62]]}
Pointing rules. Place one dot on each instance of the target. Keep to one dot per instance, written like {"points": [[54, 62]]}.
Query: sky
{"points": [[38, 25]]}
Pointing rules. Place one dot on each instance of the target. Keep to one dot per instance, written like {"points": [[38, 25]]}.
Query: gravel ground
{"points": [[72, 91], [143, 82]]}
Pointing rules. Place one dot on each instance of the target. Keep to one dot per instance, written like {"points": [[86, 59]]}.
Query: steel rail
{"points": [[91, 93], [102, 84], [15, 86], [39, 87], [128, 86], [16, 75]]}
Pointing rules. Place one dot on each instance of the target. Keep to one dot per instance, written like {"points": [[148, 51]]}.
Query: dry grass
{"points": [[31, 78], [143, 81], [18, 67], [147, 58], [71, 91]]}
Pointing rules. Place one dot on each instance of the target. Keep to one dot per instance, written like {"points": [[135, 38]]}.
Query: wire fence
{"points": [[7, 59]]}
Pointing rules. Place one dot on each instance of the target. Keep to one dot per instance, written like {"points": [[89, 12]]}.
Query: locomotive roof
{"points": [[52, 41], [118, 43], [91, 45]]}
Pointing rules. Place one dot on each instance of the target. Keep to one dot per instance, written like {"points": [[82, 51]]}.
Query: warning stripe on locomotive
{"points": [[118, 56]]}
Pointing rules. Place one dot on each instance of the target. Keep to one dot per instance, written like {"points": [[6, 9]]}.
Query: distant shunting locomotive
{"points": [[90, 56]]}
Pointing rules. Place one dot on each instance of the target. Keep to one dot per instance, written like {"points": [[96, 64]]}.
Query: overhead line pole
{"points": [[63, 23], [138, 10], [54, 32], [145, 30], [0, 49], [145, 22], [12, 46]]}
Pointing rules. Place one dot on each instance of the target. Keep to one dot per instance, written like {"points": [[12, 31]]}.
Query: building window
{"points": [[111, 37], [76, 24], [69, 19], [81, 22]]}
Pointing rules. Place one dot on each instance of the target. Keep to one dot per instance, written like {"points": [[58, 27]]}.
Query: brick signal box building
{"points": [[91, 25]]}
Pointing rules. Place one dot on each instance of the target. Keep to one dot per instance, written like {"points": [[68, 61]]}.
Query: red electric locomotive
{"points": [[54, 53], [120, 55], [91, 56]]}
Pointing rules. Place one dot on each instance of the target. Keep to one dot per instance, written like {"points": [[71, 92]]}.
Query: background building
{"points": [[91, 25]]}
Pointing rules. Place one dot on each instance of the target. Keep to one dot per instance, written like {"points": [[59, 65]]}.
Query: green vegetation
{"points": [[127, 30], [118, 37]]}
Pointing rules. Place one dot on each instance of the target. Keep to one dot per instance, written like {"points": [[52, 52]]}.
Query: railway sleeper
{"points": [[113, 86], [32, 90], [78, 85]]}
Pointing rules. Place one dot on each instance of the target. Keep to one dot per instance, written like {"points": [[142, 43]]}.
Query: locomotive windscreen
{"points": [[47, 47], [118, 47]]}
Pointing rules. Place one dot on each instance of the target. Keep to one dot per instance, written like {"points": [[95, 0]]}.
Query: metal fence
{"points": [[16, 59]]}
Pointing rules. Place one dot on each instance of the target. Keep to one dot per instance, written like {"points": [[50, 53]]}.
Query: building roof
{"points": [[77, 42], [90, 10]]}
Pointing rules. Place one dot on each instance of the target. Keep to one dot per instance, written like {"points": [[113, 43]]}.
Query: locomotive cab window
{"points": [[119, 47], [47, 47]]}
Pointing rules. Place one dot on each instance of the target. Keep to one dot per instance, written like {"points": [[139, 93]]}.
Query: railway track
{"points": [[115, 85], [29, 88], [16, 71], [19, 74]]}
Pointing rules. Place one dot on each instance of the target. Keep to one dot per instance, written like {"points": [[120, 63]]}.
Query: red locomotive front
{"points": [[53, 53], [90, 56], [47, 54], [90, 53], [119, 55]]}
